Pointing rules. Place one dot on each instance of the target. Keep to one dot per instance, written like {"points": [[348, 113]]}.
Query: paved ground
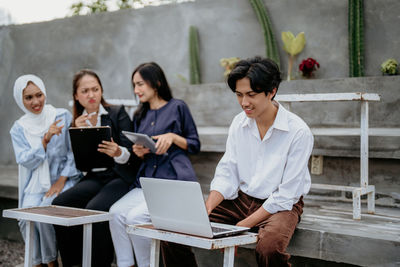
{"points": [[11, 253]]}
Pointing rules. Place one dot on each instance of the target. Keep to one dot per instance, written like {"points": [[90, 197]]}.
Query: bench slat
{"points": [[321, 131], [328, 97]]}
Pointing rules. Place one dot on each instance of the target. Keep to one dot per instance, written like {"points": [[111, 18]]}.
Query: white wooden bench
{"points": [[365, 188], [226, 243]]}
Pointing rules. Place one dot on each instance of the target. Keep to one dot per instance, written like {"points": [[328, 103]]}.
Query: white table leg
{"points": [[229, 256], [29, 244], [155, 253], [87, 245]]}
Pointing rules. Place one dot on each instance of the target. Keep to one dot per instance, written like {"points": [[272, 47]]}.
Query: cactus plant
{"points": [[271, 48], [194, 61], [356, 38]]}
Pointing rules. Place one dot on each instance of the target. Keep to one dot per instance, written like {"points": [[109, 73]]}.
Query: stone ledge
{"points": [[328, 232]]}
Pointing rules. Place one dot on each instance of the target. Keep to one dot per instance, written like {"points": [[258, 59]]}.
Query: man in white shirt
{"points": [[260, 180]]}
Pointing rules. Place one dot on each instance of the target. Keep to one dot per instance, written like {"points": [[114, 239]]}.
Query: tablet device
{"points": [[141, 139], [85, 142]]}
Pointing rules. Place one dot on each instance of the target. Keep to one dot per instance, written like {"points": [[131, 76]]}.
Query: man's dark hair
{"points": [[263, 73]]}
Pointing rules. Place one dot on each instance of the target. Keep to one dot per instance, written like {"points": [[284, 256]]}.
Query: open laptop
{"points": [[179, 206]]}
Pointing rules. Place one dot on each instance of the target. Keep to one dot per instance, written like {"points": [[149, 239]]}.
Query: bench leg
{"points": [[155, 253], [28, 244], [87, 245], [356, 204], [229, 256], [371, 201]]}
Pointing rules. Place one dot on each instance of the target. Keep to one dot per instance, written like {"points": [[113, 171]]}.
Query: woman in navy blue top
{"points": [[172, 118], [169, 122]]}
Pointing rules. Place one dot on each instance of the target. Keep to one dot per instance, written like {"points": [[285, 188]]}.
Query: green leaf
{"points": [[293, 45]]}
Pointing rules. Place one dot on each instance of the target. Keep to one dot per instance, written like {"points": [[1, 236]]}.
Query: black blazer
{"points": [[119, 121]]}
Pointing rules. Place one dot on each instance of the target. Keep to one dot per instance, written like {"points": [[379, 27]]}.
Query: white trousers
{"points": [[130, 209]]}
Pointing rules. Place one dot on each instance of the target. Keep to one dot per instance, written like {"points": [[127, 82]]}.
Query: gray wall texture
{"points": [[114, 43]]}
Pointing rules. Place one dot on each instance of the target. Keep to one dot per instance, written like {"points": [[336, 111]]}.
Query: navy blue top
{"points": [[173, 117]]}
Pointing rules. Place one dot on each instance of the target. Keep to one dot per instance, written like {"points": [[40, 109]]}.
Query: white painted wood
{"points": [[333, 187], [194, 241], [155, 253], [229, 256], [19, 214], [29, 244], [320, 131], [357, 204], [371, 200], [87, 245], [364, 145], [363, 190], [126, 102], [357, 96], [327, 97]]}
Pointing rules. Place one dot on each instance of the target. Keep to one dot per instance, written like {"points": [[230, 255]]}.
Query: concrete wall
{"points": [[114, 43]]}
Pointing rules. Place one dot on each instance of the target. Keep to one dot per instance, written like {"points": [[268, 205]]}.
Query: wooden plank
{"points": [[319, 131], [87, 245], [333, 187], [29, 244], [125, 102], [155, 253], [327, 97], [36, 214], [64, 212], [229, 256], [394, 132], [363, 190]]}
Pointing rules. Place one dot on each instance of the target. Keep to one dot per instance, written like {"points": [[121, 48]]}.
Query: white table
{"points": [[58, 215], [227, 243]]}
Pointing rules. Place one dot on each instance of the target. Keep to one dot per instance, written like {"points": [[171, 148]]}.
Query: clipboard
{"points": [[141, 139], [85, 142]]}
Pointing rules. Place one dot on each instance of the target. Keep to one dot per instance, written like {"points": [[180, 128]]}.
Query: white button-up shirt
{"points": [[274, 169]]}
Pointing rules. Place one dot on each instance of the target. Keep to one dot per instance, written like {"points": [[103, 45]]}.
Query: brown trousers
{"points": [[274, 233]]}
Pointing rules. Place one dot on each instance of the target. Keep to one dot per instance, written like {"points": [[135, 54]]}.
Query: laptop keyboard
{"points": [[218, 229]]}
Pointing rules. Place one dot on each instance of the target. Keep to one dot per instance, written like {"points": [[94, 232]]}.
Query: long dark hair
{"points": [[77, 108], [154, 76]]}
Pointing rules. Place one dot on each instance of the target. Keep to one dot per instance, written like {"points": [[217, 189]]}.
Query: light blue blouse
{"points": [[58, 153]]}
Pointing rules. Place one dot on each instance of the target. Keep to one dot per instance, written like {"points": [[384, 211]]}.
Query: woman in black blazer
{"points": [[99, 188]]}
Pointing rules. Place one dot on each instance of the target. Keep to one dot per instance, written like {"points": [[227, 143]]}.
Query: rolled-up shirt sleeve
{"points": [[296, 180], [226, 178]]}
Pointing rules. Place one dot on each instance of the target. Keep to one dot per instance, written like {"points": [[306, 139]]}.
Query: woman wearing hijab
{"points": [[46, 164]]}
